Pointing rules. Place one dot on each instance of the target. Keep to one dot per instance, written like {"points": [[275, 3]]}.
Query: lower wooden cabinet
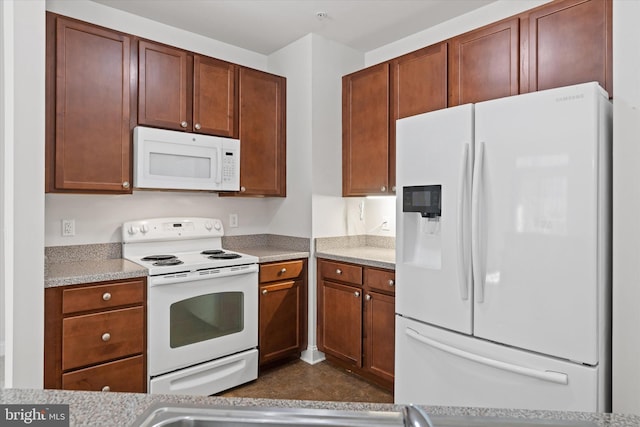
{"points": [[356, 319], [282, 311], [95, 336]]}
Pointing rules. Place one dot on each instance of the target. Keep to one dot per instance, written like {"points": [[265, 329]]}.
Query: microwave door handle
{"points": [[219, 165]]}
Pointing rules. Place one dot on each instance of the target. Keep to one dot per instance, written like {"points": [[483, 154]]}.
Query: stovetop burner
{"points": [[224, 255], [158, 257], [170, 261], [212, 252]]}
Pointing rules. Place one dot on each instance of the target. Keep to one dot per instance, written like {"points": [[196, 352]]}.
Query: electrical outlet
{"points": [[68, 227], [385, 224], [233, 220]]}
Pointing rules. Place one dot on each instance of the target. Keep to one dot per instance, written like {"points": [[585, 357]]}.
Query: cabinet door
{"points": [[570, 43], [90, 149], [484, 63], [365, 132], [418, 85], [163, 91], [214, 97], [262, 134], [340, 321], [379, 340], [281, 320]]}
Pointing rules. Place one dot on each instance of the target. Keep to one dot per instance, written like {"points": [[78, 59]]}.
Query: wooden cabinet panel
{"points": [[262, 134], [85, 340], [102, 296], [214, 97], [281, 320], [163, 87], [341, 272], [484, 63], [281, 270], [340, 314], [88, 108], [126, 375], [418, 85], [570, 43], [381, 280], [379, 334], [365, 132]]}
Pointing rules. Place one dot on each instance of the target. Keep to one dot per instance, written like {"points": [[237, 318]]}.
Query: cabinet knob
{"points": [[368, 297], [125, 184], [264, 292], [106, 336], [338, 271], [383, 188], [197, 126], [184, 124], [106, 296], [356, 294], [283, 270], [242, 189], [106, 388], [391, 282], [393, 188]]}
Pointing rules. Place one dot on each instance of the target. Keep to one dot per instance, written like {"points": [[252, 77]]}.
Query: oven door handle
{"points": [[206, 274]]}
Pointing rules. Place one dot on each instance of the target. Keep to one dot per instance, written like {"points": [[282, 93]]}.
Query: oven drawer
{"points": [[382, 280], [94, 338], [105, 296], [281, 270], [342, 272], [126, 375]]}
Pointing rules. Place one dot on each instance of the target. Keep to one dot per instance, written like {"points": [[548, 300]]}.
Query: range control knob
{"points": [[133, 229], [144, 228], [217, 225], [208, 226]]}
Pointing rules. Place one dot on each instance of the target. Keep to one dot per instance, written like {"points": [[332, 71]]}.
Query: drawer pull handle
{"points": [[391, 282], [356, 294], [338, 271], [106, 388], [264, 292], [106, 296], [283, 270], [106, 336]]}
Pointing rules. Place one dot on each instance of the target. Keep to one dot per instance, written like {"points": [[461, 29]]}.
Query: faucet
{"points": [[415, 417]]}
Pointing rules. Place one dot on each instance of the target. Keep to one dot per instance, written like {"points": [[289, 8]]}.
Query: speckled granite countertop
{"points": [[123, 409], [90, 271], [269, 247], [365, 250]]}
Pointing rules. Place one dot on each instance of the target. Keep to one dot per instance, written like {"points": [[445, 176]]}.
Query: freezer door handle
{"points": [[475, 224], [550, 376], [463, 282]]}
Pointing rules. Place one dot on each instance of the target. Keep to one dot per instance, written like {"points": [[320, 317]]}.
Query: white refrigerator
{"points": [[503, 253]]}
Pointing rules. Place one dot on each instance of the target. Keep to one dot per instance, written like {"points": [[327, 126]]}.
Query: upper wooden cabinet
{"points": [[183, 91], [569, 42], [263, 158], [484, 63], [365, 132], [88, 103]]}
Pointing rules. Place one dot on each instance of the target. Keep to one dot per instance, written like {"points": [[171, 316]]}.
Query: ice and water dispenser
{"points": [[422, 211]]}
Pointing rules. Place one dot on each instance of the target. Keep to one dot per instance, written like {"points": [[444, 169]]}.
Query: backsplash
{"points": [[324, 243], [91, 252]]}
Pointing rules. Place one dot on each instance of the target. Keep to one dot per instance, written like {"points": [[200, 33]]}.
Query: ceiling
{"points": [[265, 26]]}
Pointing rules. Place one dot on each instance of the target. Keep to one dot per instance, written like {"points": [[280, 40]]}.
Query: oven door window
{"points": [[206, 317]]}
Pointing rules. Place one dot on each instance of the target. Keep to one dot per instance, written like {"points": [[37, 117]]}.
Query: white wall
{"points": [[22, 193], [626, 206]]}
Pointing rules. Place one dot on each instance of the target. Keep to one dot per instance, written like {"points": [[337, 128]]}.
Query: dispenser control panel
{"points": [[425, 199]]}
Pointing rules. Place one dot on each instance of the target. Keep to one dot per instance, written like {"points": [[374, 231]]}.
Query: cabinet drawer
{"points": [[281, 270], [96, 297], [383, 280], [125, 375], [95, 338], [342, 272]]}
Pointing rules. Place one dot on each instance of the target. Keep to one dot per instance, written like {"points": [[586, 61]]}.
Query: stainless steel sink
{"points": [[218, 416]]}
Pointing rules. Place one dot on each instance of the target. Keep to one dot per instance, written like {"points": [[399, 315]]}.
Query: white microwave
{"points": [[165, 159]]}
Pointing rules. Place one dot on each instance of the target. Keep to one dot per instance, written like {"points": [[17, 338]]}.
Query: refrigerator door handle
{"points": [[463, 282], [475, 224], [549, 376]]}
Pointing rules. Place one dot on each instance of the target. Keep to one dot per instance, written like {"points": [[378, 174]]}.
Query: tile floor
{"points": [[322, 381]]}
